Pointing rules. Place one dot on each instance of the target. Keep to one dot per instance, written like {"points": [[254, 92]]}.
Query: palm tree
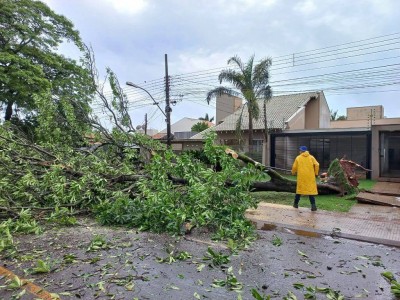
{"points": [[253, 83], [207, 118], [336, 117]]}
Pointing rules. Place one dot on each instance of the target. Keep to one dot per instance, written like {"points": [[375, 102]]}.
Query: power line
{"points": [[193, 86], [297, 54]]}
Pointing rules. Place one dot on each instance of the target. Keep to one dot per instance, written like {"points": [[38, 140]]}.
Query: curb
{"points": [[27, 285], [310, 232]]}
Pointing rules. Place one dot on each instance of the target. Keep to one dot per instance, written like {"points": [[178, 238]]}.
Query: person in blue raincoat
{"points": [[306, 167]]}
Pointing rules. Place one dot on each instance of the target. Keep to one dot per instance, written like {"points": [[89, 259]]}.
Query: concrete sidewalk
{"points": [[364, 222], [387, 188]]}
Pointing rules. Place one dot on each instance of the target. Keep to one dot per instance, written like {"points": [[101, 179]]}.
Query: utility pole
{"points": [[168, 109]]}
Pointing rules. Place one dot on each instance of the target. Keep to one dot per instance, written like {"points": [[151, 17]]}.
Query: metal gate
{"points": [[325, 147], [389, 152]]}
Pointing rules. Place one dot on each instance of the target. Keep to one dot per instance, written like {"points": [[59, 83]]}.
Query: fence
{"points": [[324, 147]]}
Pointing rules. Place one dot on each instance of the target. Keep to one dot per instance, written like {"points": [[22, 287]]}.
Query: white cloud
{"points": [[256, 2], [129, 7], [383, 7], [306, 7], [132, 36], [201, 60], [238, 7]]}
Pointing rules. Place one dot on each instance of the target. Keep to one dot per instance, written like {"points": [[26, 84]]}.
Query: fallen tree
{"points": [[123, 177], [278, 183]]}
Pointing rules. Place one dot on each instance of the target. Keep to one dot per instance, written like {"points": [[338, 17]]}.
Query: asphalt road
{"points": [[139, 265]]}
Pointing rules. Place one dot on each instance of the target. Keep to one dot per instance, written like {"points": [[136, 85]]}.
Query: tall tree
{"points": [[207, 118], [199, 127], [30, 66], [252, 82], [336, 117]]}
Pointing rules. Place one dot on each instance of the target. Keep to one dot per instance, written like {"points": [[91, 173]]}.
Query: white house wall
{"points": [[298, 120], [324, 112]]}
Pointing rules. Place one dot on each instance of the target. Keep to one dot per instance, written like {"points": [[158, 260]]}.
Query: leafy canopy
{"points": [[248, 80], [31, 67], [121, 176], [199, 127], [206, 118]]}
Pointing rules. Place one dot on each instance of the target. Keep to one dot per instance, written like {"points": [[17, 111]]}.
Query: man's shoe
{"points": [[295, 206], [314, 208]]}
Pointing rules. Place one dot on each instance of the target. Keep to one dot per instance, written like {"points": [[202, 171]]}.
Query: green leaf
{"points": [[388, 275], [277, 241], [200, 267], [298, 285], [363, 257], [16, 283], [302, 253], [41, 267]]}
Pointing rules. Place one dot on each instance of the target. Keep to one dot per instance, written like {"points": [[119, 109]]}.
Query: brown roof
{"points": [[279, 110], [159, 136]]}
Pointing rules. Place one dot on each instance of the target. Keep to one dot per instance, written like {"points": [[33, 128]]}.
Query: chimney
{"points": [[226, 105]]}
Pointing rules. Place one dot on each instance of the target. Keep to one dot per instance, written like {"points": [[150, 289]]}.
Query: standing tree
{"points": [[30, 66], [253, 83], [199, 127], [336, 117], [207, 118]]}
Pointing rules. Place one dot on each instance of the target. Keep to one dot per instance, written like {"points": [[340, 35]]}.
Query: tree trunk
{"points": [[278, 183], [9, 111], [250, 131], [289, 186]]}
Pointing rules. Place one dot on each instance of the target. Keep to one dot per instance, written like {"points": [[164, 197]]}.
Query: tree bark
{"points": [[250, 131], [290, 187], [278, 183], [9, 111]]}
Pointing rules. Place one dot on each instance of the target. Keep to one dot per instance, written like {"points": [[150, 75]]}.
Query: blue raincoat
{"points": [[306, 167]]}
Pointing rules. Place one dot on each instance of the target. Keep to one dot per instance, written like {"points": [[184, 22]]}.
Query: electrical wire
{"points": [[193, 86]]}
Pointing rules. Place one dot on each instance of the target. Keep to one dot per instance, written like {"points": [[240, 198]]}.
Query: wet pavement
{"points": [[138, 265], [297, 251], [387, 188], [364, 222], [371, 223]]}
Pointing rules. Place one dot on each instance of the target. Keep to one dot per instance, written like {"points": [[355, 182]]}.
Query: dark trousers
{"points": [[297, 200]]}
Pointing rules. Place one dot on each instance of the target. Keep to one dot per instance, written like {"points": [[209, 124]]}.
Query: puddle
{"points": [[304, 233], [270, 227], [253, 212]]}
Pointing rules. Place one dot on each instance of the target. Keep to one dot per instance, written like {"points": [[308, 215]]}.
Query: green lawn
{"points": [[325, 202]]}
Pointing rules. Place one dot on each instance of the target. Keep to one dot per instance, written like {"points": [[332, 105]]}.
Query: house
{"points": [[179, 129], [295, 111], [366, 136], [181, 132], [149, 131], [384, 139]]}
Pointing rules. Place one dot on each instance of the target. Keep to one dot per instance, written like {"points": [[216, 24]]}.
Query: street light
{"points": [[166, 113]]}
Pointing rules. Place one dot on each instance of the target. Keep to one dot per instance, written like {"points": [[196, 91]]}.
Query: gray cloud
{"points": [[132, 37]]}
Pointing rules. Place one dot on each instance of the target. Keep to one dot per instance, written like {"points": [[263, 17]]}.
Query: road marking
{"points": [[27, 285]]}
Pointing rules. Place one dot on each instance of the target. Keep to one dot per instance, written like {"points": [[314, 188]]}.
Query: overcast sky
{"points": [[348, 49]]}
